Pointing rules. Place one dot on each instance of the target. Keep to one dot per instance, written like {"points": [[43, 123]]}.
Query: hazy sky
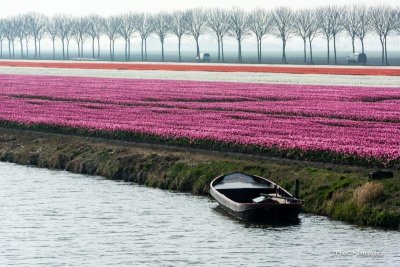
{"points": [[103, 7]]}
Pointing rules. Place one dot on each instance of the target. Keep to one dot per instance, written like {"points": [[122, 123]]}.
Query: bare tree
{"points": [[21, 30], [37, 24], [178, 26], [261, 24], [3, 35], [240, 27], [161, 26], [95, 28], [325, 25], [364, 24], [218, 22], [304, 26], [126, 30], [28, 35], [336, 17], [282, 27], [52, 30], [383, 22], [144, 27], [313, 31], [196, 23], [9, 26], [64, 25], [111, 27], [351, 23], [80, 33]]}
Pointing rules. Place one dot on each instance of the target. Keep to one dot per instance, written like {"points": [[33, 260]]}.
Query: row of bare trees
{"points": [[328, 22]]}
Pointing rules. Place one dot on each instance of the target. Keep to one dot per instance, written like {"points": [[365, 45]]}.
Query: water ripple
{"points": [[51, 218]]}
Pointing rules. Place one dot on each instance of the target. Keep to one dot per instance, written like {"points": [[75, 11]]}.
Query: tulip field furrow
{"points": [[360, 121]]}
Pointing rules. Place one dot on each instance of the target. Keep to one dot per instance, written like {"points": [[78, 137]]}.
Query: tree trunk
{"points": [[219, 48], [22, 48], [126, 49], [113, 49], [9, 48], [362, 44], [240, 50], [54, 49], [145, 49], [35, 40], [141, 48], [40, 52], [198, 47], [383, 50], [93, 47], [222, 50], [67, 49], [334, 48], [111, 57], [352, 43], [284, 51], [81, 47], [311, 57], [27, 48], [162, 50], [258, 50], [129, 49], [98, 47], [305, 50], [1, 48], [328, 50], [63, 48], [179, 48], [386, 58]]}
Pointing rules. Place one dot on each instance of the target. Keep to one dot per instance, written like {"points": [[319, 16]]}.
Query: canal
{"points": [[55, 218]]}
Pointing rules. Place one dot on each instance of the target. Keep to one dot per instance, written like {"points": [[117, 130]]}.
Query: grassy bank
{"points": [[340, 192]]}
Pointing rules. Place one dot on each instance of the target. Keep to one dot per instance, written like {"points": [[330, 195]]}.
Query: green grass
{"points": [[327, 189]]}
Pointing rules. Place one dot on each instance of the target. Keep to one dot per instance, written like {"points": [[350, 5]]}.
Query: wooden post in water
{"points": [[296, 188]]}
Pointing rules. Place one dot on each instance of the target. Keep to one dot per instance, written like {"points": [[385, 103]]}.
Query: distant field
{"points": [[346, 123]]}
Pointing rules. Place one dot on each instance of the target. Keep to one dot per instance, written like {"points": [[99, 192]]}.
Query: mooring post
{"points": [[296, 188]]}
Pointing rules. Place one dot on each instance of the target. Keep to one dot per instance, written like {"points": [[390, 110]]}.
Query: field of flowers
{"points": [[344, 124]]}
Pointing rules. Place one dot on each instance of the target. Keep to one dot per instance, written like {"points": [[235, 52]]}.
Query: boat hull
{"points": [[269, 213]]}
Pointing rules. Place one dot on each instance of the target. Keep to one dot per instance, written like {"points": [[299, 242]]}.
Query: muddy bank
{"points": [[340, 192]]}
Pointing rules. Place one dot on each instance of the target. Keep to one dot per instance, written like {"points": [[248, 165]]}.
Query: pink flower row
{"points": [[352, 120]]}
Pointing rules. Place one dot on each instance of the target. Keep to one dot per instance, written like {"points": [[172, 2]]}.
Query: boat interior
{"points": [[243, 188], [245, 196]]}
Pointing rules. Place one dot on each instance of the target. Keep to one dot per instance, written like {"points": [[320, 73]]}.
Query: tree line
{"points": [[357, 21]]}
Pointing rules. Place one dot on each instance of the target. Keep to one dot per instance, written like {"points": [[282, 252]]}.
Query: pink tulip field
{"points": [[346, 124]]}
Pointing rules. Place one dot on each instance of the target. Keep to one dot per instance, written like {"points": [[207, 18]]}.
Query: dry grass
{"points": [[368, 193]]}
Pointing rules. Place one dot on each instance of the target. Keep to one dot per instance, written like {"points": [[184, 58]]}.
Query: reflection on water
{"points": [[53, 218]]}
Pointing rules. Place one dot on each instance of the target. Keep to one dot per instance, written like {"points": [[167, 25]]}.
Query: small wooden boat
{"points": [[254, 198]]}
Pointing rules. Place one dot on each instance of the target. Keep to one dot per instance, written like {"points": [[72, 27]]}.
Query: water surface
{"points": [[55, 218]]}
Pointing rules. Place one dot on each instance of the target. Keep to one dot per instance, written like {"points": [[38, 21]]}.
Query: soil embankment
{"points": [[340, 192]]}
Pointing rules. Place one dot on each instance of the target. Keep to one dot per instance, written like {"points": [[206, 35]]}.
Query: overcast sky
{"points": [[103, 7]]}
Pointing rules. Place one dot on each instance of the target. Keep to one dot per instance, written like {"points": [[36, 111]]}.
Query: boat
{"points": [[255, 198]]}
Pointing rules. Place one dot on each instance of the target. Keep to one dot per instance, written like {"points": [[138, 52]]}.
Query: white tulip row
{"points": [[245, 77]]}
